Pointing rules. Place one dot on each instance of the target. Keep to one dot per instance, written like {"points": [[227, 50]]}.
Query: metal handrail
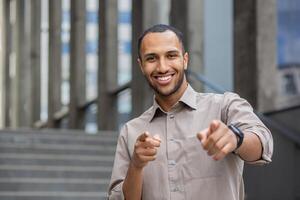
{"points": [[267, 120], [64, 111]]}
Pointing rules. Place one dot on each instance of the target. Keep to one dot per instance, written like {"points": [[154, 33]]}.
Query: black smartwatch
{"points": [[239, 135]]}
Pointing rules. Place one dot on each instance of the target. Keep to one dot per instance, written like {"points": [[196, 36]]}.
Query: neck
{"points": [[167, 102]]}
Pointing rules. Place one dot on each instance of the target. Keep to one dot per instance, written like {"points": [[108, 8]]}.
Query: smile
{"points": [[163, 80]]}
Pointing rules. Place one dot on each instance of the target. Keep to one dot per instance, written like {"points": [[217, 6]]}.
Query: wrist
{"points": [[135, 166]]}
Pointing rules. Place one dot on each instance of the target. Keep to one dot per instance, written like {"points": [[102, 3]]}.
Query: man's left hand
{"points": [[218, 140]]}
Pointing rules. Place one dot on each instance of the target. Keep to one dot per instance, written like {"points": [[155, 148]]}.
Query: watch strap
{"points": [[239, 134]]}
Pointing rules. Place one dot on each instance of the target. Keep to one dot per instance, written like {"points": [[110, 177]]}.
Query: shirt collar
{"points": [[188, 98], [155, 108]]}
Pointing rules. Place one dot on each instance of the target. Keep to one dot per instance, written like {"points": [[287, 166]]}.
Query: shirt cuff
{"points": [[116, 193], [267, 148]]}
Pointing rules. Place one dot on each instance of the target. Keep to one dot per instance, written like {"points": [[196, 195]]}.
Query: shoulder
{"points": [[137, 125], [142, 119], [217, 98]]}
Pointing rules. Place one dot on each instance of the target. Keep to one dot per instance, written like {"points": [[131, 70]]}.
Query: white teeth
{"points": [[164, 78]]}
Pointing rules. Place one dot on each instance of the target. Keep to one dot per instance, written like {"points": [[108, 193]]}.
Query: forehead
{"points": [[160, 41]]}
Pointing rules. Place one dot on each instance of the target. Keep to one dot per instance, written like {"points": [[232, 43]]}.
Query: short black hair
{"points": [[159, 28]]}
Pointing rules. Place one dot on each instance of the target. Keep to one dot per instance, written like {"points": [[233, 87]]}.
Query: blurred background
{"points": [[70, 80]]}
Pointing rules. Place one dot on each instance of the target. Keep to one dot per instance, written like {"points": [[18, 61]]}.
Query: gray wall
{"points": [[279, 180]]}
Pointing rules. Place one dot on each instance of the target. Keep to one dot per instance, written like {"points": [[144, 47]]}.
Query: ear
{"points": [[140, 64], [185, 60]]}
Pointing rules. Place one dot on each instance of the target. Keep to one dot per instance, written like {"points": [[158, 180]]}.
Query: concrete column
{"points": [[179, 18], [156, 12], [255, 52], [21, 110], [2, 50], [190, 23], [5, 46], [108, 64], [195, 37], [267, 54], [35, 57], [7, 83], [77, 64], [55, 78], [144, 15], [245, 65], [140, 91]]}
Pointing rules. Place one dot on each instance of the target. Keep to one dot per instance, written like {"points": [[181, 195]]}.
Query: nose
{"points": [[162, 66]]}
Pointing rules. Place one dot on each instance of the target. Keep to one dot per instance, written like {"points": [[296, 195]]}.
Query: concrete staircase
{"points": [[55, 164]]}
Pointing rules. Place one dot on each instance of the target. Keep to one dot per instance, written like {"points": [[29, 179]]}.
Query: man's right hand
{"points": [[145, 150]]}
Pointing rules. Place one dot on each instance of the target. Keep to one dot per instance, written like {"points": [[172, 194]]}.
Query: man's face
{"points": [[163, 62]]}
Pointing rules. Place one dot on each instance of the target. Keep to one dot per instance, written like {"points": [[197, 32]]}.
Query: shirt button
{"points": [[171, 116], [176, 189], [172, 162]]}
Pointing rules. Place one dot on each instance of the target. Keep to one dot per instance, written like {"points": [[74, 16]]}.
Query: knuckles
{"points": [[218, 146]]}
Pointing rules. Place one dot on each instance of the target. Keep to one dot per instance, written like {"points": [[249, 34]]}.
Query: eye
{"points": [[150, 58], [172, 56]]}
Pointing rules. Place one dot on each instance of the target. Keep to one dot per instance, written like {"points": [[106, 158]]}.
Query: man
{"points": [[188, 145]]}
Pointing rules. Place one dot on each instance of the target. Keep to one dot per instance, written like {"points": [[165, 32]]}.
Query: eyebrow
{"points": [[173, 51], [149, 54], [154, 54]]}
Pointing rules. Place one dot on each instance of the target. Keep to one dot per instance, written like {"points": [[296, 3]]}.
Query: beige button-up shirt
{"points": [[182, 169]]}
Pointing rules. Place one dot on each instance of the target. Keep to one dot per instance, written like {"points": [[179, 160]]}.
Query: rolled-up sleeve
{"points": [[116, 192], [121, 163], [239, 112]]}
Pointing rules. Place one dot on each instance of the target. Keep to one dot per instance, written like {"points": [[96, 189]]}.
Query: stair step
{"points": [[55, 174], [46, 195], [64, 147], [105, 162], [55, 164], [54, 168], [55, 187], [57, 149], [64, 174], [39, 156], [56, 139], [61, 132], [54, 180]]}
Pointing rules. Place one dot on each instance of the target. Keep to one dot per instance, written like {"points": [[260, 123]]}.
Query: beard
{"points": [[173, 90]]}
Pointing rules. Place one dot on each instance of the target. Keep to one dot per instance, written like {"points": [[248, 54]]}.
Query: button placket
{"points": [[175, 186]]}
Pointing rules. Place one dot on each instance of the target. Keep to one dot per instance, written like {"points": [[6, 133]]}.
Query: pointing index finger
{"points": [[143, 136], [214, 125], [157, 137]]}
